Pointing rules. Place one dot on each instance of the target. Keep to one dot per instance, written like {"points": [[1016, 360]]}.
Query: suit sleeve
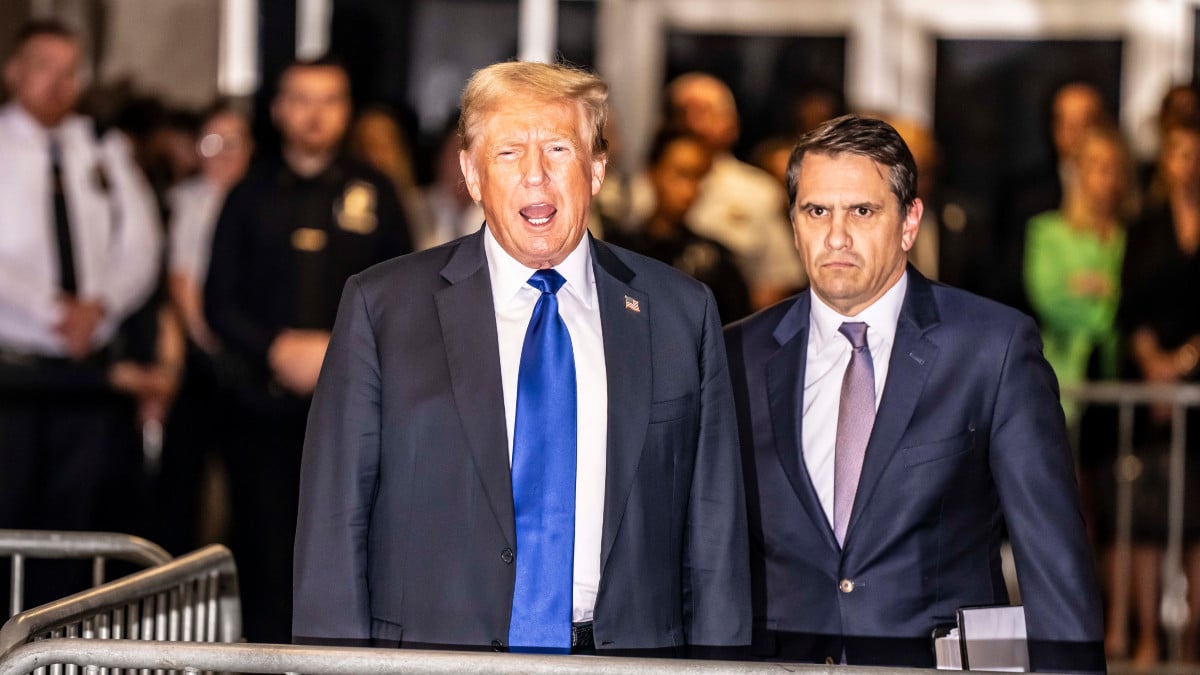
{"points": [[1034, 472], [338, 480], [716, 575]]}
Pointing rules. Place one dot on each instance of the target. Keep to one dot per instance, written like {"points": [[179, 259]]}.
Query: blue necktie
{"points": [[543, 478]]}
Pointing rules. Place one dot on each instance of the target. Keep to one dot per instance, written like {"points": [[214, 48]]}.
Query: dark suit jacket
{"points": [[406, 530], [969, 436]]}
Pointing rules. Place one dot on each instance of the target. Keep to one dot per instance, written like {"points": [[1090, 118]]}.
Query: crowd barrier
{"points": [[23, 545], [193, 598], [1126, 397], [279, 659]]}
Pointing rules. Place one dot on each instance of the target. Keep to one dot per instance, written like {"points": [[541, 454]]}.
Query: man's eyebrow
{"points": [[874, 206]]}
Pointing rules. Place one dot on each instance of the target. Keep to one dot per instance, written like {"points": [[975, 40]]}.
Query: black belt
{"points": [[582, 636]]}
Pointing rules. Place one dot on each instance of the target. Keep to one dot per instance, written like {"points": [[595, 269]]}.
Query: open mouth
{"points": [[538, 214]]}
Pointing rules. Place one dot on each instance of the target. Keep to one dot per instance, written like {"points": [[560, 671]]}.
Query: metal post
{"points": [[17, 595], [1174, 589], [1127, 469], [537, 33]]}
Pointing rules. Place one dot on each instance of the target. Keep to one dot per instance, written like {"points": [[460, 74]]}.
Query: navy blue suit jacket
{"points": [[969, 436], [406, 531]]}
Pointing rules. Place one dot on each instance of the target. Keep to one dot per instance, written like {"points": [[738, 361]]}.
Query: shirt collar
{"points": [[510, 277], [881, 318], [24, 124]]}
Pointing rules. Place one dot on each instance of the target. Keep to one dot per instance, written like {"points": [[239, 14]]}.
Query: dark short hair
{"points": [[323, 61], [664, 139], [42, 28], [865, 136]]}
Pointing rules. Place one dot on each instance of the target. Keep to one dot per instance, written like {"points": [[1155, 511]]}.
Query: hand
{"points": [[78, 325], [1090, 283], [295, 358], [153, 385]]}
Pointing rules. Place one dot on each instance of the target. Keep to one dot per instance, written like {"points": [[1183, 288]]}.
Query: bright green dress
{"points": [[1073, 326]]}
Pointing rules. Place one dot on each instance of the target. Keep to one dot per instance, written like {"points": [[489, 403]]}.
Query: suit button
{"points": [[846, 586], [497, 646], [507, 556]]}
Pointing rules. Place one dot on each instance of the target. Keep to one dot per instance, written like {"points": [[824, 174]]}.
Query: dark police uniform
{"points": [[283, 248]]}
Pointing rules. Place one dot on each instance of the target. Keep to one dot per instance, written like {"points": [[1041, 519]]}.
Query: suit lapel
{"points": [[466, 313], [912, 359], [628, 371], [785, 392]]}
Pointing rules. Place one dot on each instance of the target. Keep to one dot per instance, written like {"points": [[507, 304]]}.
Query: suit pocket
{"points": [[673, 409], [386, 633], [931, 452]]}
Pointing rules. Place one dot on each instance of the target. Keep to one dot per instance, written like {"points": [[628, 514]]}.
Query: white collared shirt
{"points": [[115, 236], [195, 207], [514, 300], [828, 355]]}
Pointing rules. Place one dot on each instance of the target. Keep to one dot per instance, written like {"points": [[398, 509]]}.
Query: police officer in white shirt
{"points": [[79, 251]]}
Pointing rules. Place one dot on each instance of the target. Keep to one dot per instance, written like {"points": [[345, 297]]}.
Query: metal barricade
{"points": [[193, 598], [253, 658], [22, 545], [1126, 396]]}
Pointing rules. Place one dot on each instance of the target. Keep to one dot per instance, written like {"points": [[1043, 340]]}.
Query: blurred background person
{"points": [[1180, 103], [191, 442], [79, 251], [1073, 258], [452, 212], [1074, 108], [678, 163], [1160, 315], [739, 205], [289, 236], [377, 139]]}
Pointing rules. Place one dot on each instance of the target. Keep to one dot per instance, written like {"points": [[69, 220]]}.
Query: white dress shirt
{"points": [[828, 356], [115, 235], [195, 207], [514, 300]]}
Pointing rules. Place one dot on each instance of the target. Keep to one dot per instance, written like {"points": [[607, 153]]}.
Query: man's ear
{"points": [[912, 224], [466, 162], [599, 165]]}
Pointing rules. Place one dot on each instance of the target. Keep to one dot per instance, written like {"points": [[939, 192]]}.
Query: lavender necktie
{"points": [[856, 416]]}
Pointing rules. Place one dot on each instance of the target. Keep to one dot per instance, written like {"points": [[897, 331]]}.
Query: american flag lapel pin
{"points": [[632, 305]]}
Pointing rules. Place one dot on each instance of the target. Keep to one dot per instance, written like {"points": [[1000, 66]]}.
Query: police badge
{"points": [[355, 211]]}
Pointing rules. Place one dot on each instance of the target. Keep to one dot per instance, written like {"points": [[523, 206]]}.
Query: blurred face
{"points": [[225, 149], [850, 230], [1180, 160], [708, 112], [677, 175], [1102, 174], [312, 109], [378, 141], [43, 77], [1076, 108], [532, 168]]}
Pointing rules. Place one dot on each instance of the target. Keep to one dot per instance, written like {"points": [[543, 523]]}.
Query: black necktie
{"points": [[62, 224]]}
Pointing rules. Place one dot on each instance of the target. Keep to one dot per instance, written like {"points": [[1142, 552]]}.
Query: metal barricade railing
{"points": [[255, 658], [193, 598], [22, 545], [1126, 396]]}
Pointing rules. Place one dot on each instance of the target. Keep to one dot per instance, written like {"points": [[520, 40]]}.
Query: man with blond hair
{"points": [[524, 439]]}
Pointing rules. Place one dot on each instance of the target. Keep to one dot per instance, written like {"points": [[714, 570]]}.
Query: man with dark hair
{"points": [[79, 252], [891, 428], [289, 236]]}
